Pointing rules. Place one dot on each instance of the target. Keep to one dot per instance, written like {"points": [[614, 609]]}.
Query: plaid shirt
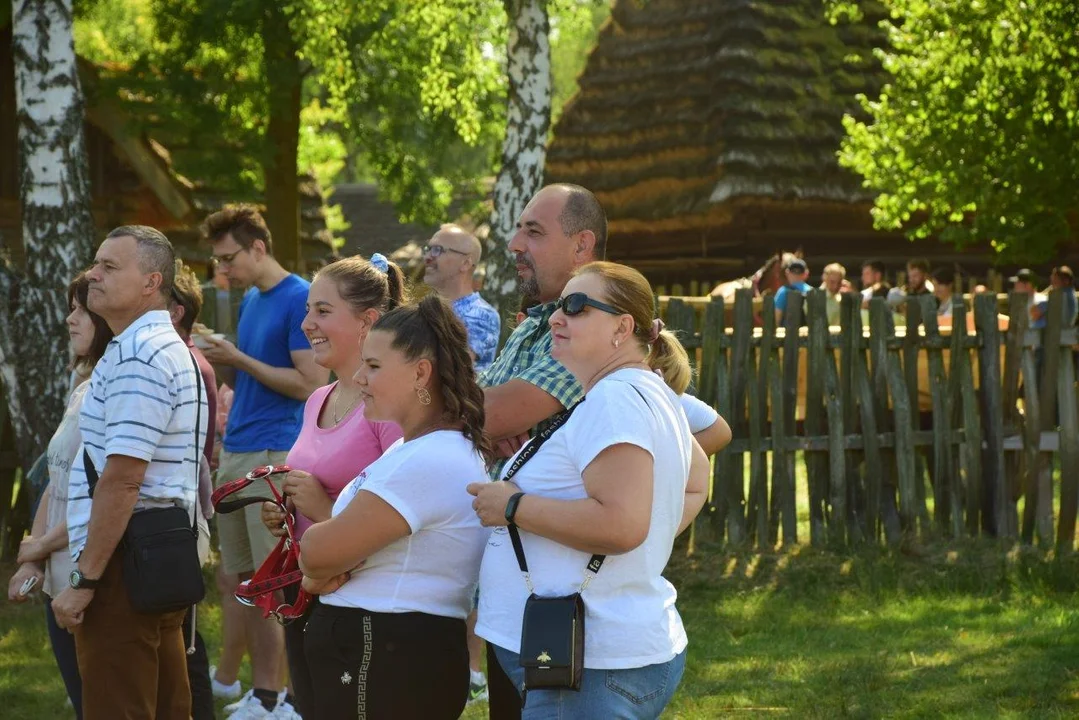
{"points": [[527, 356]]}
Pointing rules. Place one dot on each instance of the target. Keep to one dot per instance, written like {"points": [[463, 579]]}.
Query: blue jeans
{"points": [[634, 694]]}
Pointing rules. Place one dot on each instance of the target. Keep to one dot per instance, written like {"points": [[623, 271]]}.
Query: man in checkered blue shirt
{"points": [[562, 228]]}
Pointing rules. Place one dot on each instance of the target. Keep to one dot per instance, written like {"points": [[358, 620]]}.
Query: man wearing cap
{"points": [[1025, 281], [797, 273]]}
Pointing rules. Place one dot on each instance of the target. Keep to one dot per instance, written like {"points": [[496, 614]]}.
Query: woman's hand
{"points": [[24, 573], [307, 495], [32, 550], [273, 517], [491, 500], [325, 587]]}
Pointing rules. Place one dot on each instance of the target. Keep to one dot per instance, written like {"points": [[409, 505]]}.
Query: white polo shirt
{"points": [[141, 403]]}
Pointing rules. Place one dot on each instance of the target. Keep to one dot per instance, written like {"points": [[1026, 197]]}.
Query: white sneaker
{"points": [[247, 696], [221, 690], [285, 711], [251, 709]]}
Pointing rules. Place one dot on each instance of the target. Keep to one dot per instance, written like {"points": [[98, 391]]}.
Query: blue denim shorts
{"points": [[633, 694]]}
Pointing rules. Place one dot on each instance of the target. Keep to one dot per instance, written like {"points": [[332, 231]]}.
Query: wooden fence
{"points": [[916, 432]]}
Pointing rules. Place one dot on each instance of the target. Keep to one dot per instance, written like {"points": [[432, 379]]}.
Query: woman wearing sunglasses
{"points": [[389, 641], [621, 478], [336, 441]]}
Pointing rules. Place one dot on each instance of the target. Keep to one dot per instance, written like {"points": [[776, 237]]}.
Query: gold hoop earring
{"points": [[424, 396]]}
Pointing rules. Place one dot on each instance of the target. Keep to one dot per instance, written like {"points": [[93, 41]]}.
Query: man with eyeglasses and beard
{"points": [[450, 259]]}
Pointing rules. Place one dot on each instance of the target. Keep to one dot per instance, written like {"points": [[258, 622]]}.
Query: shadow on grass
{"points": [[961, 631]]}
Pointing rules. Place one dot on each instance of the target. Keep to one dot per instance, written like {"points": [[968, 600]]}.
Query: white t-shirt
{"points": [[434, 569], [63, 447], [630, 617], [700, 414]]}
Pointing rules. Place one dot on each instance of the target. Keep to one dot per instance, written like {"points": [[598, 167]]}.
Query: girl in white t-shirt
{"points": [[44, 555], [622, 478], [396, 564]]}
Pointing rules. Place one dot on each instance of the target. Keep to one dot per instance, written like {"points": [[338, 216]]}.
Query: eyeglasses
{"points": [[226, 259], [575, 303], [436, 250]]}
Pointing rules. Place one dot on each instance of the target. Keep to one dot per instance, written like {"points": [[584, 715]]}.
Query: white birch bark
{"points": [[57, 226], [524, 150]]}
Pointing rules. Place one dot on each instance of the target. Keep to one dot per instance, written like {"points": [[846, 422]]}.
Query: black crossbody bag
{"points": [[552, 630], [160, 545]]}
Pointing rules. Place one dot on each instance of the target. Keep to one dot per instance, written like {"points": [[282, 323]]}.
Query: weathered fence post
{"points": [[1038, 514], [740, 359], [998, 516], [943, 507]]}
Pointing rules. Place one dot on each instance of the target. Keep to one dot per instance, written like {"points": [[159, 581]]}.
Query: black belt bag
{"points": [[160, 546], [552, 629]]}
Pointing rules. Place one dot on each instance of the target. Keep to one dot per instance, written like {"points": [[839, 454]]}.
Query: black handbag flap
{"points": [[548, 638], [155, 521]]}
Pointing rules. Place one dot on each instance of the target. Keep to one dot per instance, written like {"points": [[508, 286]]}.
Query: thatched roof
{"points": [[691, 109]]}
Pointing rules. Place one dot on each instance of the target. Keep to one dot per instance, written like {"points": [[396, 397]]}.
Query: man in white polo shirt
{"points": [[138, 428]]}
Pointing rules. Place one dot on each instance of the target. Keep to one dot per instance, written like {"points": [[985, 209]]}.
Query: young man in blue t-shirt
{"points": [[797, 273], [272, 371]]}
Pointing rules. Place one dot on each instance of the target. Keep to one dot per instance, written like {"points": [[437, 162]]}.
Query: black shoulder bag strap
{"points": [[91, 471], [524, 456]]}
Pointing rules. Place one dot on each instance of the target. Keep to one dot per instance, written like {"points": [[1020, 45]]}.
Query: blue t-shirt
{"points": [[781, 294], [269, 330], [483, 325], [1070, 308]]}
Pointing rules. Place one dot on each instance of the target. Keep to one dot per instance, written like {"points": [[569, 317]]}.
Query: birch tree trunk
{"points": [[57, 227], [524, 150]]}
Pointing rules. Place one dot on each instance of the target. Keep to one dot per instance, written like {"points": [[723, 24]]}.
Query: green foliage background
{"points": [[976, 136]]}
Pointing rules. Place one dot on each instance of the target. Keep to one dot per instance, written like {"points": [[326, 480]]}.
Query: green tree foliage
{"points": [[976, 136], [408, 86]]}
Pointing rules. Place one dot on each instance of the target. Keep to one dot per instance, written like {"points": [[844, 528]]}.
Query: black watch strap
{"points": [[511, 506], [81, 582]]}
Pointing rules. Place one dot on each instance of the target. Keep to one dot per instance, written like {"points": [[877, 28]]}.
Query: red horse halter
{"points": [[282, 567]]}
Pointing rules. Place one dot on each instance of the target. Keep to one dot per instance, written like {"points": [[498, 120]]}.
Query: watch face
{"points": [[76, 576]]}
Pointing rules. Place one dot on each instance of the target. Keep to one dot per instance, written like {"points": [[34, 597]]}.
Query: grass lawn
{"points": [[958, 632]]}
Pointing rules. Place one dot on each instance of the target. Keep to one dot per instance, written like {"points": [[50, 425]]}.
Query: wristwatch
{"points": [[81, 582], [511, 506]]}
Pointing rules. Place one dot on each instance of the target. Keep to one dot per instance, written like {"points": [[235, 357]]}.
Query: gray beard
{"points": [[529, 288]]}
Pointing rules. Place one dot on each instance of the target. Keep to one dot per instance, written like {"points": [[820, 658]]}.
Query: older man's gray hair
{"points": [[155, 252]]}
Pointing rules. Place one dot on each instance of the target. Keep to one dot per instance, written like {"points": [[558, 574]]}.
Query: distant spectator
{"points": [[797, 273], [1062, 280], [450, 259], [1025, 281], [833, 277], [917, 284], [943, 284], [872, 276]]}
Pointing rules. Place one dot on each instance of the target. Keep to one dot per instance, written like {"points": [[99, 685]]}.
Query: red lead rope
{"points": [[282, 567]]}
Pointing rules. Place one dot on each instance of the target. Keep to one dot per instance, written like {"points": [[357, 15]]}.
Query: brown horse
{"points": [[768, 278]]}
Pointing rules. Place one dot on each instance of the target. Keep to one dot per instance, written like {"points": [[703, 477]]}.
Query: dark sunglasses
{"points": [[575, 303]]}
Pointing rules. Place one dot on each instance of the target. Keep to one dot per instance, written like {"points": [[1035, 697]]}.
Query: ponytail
{"points": [[669, 357]]}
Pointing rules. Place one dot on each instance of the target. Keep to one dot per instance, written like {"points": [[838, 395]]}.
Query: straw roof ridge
{"points": [[685, 104]]}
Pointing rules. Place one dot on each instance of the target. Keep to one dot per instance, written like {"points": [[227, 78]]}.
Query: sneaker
{"points": [[285, 711], [250, 708], [247, 697], [221, 690], [477, 687]]}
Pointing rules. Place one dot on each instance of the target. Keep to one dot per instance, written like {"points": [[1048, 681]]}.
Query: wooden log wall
{"points": [[881, 464]]}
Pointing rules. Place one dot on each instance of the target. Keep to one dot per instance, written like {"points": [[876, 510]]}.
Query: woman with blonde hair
{"points": [[591, 508]]}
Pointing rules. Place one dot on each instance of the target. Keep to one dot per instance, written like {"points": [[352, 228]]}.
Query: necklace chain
{"points": [[351, 405]]}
